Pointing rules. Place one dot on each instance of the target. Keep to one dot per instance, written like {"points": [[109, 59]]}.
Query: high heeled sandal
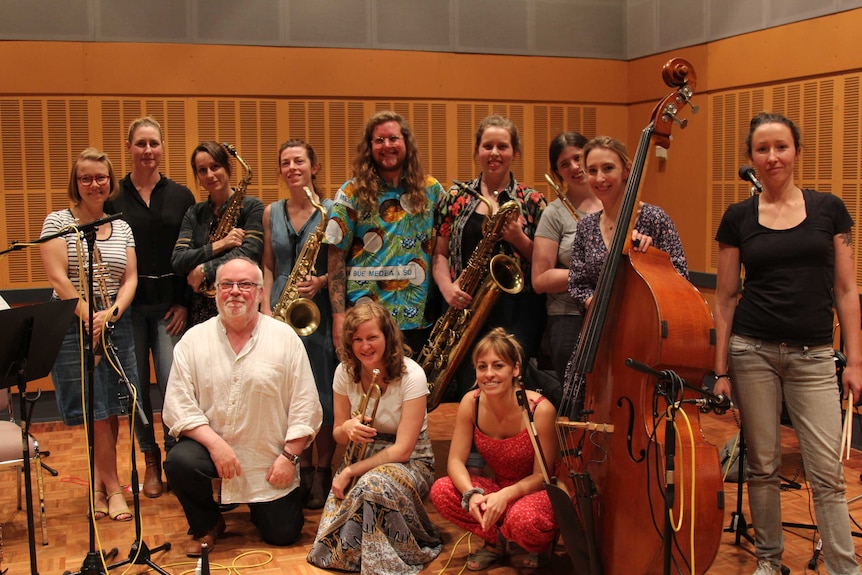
{"points": [[99, 511], [483, 558], [123, 513]]}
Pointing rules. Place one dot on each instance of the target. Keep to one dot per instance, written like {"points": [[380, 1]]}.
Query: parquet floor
{"points": [[163, 520]]}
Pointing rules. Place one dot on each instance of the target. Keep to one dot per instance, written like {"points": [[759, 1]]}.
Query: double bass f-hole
{"points": [[630, 429]]}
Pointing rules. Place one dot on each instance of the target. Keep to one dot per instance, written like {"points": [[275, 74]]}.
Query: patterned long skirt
{"points": [[381, 527]]}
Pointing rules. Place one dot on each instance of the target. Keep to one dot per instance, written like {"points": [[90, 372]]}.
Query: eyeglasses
{"points": [[87, 180], [391, 139], [244, 287]]}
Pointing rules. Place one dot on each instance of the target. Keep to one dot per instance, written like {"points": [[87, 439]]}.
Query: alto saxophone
{"points": [[230, 217], [301, 313], [484, 277], [356, 449]]}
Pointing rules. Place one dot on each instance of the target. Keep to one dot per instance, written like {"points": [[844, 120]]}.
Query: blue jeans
{"points": [[761, 373], [151, 335]]}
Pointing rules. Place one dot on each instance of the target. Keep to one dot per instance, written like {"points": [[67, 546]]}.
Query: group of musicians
{"points": [[204, 287]]}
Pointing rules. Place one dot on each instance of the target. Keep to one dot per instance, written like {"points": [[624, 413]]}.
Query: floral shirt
{"points": [[456, 215], [589, 251]]}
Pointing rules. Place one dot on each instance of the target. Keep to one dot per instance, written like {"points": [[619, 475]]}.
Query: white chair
{"points": [[12, 451]]}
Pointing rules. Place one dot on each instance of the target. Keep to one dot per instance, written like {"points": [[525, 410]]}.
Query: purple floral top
{"points": [[589, 251], [456, 208]]}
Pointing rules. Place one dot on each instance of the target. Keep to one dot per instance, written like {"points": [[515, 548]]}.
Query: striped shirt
{"points": [[112, 250]]}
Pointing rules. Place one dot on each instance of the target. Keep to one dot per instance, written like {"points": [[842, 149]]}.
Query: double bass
{"points": [[617, 453]]}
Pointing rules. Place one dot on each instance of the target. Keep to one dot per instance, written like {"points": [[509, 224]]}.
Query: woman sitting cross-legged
{"points": [[513, 506], [379, 526]]}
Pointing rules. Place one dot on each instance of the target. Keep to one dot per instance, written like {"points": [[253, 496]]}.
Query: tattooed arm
{"points": [[337, 290], [847, 304]]}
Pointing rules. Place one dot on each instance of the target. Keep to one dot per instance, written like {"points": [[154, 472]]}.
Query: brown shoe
{"points": [[153, 475], [217, 530]]}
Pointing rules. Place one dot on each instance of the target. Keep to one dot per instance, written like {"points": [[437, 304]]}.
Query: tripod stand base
{"points": [[93, 562], [140, 554]]}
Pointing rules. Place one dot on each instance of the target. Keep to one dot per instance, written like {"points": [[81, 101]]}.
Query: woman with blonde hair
{"points": [[91, 183]]}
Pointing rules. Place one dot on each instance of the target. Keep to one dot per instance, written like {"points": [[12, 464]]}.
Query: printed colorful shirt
{"points": [[388, 251]]}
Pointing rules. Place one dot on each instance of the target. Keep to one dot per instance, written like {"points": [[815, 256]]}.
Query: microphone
{"points": [[746, 174]]}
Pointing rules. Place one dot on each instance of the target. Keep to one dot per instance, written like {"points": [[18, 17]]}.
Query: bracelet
{"points": [[722, 375], [465, 499], [292, 457]]}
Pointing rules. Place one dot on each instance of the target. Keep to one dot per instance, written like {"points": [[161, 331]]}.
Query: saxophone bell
{"points": [[301, 313]]}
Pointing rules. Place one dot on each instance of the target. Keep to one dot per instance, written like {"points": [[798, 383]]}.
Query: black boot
{"points": [[319, 488], [306, 476]]}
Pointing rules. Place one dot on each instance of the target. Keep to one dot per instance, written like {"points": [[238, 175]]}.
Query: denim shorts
{"points": [[111, 394]]}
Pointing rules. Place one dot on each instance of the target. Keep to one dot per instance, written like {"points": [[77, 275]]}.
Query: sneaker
{"points": [[766, 568]]}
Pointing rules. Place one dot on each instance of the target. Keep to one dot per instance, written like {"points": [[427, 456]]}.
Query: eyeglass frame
{"points": [[393, 139], [244, 287], [87, 180]]}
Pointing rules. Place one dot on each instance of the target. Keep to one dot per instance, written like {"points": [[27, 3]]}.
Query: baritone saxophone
{"points": [[485, 277]]}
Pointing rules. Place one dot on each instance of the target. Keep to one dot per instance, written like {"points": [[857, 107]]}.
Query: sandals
{"points": [[120, 514], [100, 505], [483, 558], [536, 561]]}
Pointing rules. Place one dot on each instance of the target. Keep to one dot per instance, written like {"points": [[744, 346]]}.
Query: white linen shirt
{"points": [[255, 400]]}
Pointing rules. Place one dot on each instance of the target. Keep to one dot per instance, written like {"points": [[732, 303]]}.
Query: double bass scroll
{"points": [[642, 309]]}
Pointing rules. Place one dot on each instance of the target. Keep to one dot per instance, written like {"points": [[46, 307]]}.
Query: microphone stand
{"points": [[670, 385], [139, 554], [93, 562]]}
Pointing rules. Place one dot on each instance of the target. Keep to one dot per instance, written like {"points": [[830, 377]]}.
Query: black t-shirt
{"points": [[789, 274], [156, 228]]}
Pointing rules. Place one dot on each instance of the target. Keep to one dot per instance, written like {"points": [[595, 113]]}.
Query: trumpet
{"points": [[356, 449], [567, 203]]}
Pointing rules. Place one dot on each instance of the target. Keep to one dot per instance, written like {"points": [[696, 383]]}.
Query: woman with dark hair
{"points": [[194, 255], [459, 220], [552, 249], [153, 206], [287, 226], [513, 506], [91, 183], [774, 341], [397, 470]]}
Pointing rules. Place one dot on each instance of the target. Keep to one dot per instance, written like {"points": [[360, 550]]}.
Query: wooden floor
{"points": [[163, 520]]}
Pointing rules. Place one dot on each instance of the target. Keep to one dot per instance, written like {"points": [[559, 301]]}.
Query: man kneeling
{"points": [[242, 401]]}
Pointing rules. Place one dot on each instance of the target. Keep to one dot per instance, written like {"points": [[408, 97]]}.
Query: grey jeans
{"points": [[761, 373]]}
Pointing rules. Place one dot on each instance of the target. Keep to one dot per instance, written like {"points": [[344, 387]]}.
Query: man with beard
{"points": [[242, 401], [381, 230]]}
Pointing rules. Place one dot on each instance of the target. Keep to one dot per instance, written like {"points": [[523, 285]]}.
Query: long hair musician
{"points": [[387, 484]]}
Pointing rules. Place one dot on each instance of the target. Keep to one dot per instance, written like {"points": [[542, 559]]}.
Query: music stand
{"points": [[22, 361]]}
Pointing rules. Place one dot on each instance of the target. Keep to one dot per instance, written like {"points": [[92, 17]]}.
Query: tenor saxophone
{"points": [[230, 217], [356, 449], [484, 278], [301, 313]]}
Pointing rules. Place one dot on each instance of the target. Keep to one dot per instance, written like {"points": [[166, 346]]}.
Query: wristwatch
{"points": [[292, 457]]}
